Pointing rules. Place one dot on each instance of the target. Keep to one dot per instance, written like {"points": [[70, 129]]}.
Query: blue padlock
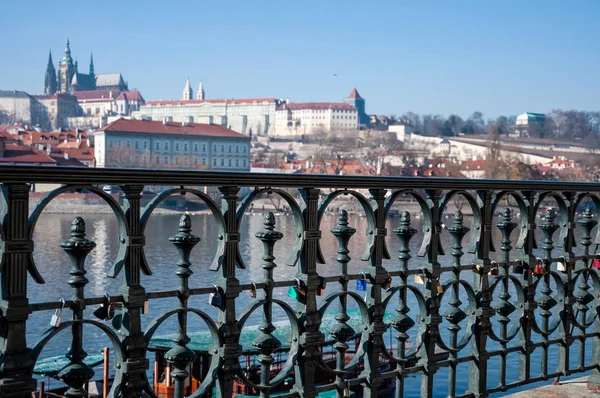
{"points": [[361, 285]]}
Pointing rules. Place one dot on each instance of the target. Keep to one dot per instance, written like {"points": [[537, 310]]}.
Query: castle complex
{"points": [[70, 80]]}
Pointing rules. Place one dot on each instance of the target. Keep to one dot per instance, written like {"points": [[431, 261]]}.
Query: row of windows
{"points": [[244, 149], [197, 162]]}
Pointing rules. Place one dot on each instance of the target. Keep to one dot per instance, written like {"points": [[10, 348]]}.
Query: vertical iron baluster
{"points": [[402, 322], [266, 342], [455, 314], [341, 331], [15, 363], [180, 356], [432, 317], [504, 307], [546, 302], [229, 285], [134, 294], [312, 338], [527, 280], [379, 275], [77, 374], [583, 296]]}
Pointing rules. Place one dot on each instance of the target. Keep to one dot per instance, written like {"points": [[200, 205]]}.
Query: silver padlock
{"points": [[214, 298], [57, 316], [253, 290], [145, 308], [561, 265]]}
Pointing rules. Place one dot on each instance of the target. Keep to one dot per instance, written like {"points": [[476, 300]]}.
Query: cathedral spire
{"points": [[200, 94], [67, 60], [50, 81], [188, 94], [91, 64]]}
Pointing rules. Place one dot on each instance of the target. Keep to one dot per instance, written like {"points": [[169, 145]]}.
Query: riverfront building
{"points": [[173, 145]]}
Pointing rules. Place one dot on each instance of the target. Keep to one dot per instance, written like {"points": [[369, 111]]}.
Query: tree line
{"points": [[558, 125]]}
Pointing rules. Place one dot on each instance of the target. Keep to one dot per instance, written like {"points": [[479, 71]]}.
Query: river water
{"points": [[162, 257]]}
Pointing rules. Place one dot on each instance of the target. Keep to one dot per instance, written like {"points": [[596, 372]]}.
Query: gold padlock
{"points": [[440, 288], [495, 270]]}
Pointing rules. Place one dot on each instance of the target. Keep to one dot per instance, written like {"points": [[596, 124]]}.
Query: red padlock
{"points": [[596, 263], [538, 270]]}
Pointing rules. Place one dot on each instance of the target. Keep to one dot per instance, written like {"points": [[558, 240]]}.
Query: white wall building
{"points": [[295, 120], [143, 143], [246, 116]]}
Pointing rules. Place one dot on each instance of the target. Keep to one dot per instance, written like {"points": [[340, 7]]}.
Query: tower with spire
{"points": [[66, 70], [50, 81], [91, 64], [200, 94], [358, 102], [188, 94]]}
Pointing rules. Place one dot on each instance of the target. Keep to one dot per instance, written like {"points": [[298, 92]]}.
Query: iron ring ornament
{"points": [[294, 343], [505, 308], [402, 323]]}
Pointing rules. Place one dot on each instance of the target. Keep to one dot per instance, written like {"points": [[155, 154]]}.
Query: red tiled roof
{"points": [[354, 94], [156, 127], [212, 101], [14, 154], [130, 96], [8, 137], [316, 105], [96, 95]]}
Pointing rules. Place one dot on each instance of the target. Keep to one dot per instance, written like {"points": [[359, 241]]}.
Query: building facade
{"points": [[56, 109], [296, 120], [528, 123], [17, 107], [172, 145], [359, 103], [69, 79], [245, 116]]}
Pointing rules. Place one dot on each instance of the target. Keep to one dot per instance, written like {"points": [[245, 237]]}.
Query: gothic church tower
{"points": [[50, 81], [66, 70], [188, 94], [200, 94]]}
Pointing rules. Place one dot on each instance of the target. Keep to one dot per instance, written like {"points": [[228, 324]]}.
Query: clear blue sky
{"points": [[498, 57]]}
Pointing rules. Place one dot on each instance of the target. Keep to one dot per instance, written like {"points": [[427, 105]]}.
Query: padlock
{"points": [[106, 311], [214, 298], [440, 289], [361, 285], [518, 267], [596, 263], [478, 268], [321, 288], [494, 271], [538, 270], [387, 283], [252, 290], [293, 293], [145, 308], [347, 392], [419, 279], [57, 316], [561, 265]]}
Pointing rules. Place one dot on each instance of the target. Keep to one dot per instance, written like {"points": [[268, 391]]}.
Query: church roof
{"points": [[130, 96], [354, 94], [83, 81], [109, 79], [96, 94], [157, 127]]}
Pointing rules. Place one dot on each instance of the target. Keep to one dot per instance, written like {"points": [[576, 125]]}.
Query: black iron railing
{"points": [[493, 308]]}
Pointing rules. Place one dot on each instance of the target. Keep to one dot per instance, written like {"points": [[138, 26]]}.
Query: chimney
{"points": [[67, 155], [184, 124], [2, 147], [164, 120]]}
